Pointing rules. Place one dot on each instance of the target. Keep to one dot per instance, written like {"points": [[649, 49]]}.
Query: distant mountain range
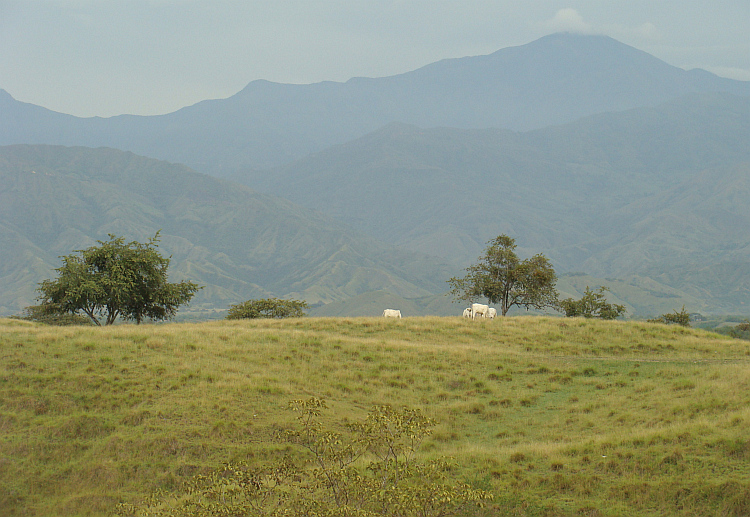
{"points": [[607, 160], [576, 190], [656, 192], [556, 79], [237, 243]]}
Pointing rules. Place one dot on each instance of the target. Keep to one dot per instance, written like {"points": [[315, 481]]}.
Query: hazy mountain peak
{"points": [[556, 79]]}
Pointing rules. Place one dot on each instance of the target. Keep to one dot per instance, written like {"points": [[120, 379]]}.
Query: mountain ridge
{"points": [[641, 192], [238, 243], [552, 80]]}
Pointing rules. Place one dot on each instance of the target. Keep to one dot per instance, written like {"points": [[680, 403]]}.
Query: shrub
{"points": [[592, 304], [267, 308], [741, 331], [341, 481], [675, 318]]}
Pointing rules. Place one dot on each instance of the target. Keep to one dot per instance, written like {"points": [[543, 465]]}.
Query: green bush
{"points": [[592, 304], [267, 308], [741, 331], [675, 318]]}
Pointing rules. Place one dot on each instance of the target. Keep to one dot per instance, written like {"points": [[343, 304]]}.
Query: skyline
{"points": [[105, 58]]}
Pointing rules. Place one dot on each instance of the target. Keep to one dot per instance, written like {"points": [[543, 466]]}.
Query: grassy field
{"points": [[554, 416]]}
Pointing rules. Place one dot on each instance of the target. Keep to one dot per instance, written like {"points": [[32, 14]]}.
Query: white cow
{"points": [[491, 313], [467, 312], [478, 308], [391, 313]]}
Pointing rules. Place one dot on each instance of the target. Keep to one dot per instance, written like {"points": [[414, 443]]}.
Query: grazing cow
{"points": [[491, 313], [391, 313], [478, 308], [467, 312]]}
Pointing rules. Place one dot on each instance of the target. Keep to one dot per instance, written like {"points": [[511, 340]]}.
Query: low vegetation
{"points": [[674, 318], [267, 308], [368, 470], [551, 416], [741, 331], [593, 304], [51, 316]]}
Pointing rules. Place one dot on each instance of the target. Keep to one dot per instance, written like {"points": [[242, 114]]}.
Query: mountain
{"points": [[658, 192], [447, 191], [556, 79], [237, 243]]}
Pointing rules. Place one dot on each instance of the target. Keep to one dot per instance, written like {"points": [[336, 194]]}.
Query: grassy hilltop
{"points": [[553, 416]]}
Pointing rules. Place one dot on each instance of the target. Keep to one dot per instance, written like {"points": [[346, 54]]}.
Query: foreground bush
{"points": [[267, 308], [368, 471]]}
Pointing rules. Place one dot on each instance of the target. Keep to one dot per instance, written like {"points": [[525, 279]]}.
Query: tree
{"points": [[367, 469], [592, 304], [115, 279], [267, 308], [501, 277]]}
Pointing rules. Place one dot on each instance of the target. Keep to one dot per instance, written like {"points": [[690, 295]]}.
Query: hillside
{"points": [[237, 243], [654, 192], [556, 79], [553, 416]]}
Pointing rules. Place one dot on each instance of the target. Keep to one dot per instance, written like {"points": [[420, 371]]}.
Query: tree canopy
{"points": [[501, 277], [115, 279]]}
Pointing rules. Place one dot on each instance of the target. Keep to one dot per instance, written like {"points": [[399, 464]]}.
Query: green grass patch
{"points": [[555, 417]]}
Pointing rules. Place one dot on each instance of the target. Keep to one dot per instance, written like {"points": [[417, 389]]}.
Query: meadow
{"points": [[554, 416]]}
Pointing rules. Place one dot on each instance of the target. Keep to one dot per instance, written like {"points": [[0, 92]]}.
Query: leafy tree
{"points": [[115, 279], [592, 304], [676, 318], [267, 308], [370, 469], [501, 277]]}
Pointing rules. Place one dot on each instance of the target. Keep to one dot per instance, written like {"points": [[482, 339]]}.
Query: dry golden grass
{"points": [[555, 416]]}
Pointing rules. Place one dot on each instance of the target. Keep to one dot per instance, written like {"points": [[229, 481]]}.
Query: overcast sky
{"points": [[108, 57]]}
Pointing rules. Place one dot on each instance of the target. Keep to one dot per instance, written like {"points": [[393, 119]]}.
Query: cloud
{"points": [[568, 20]]}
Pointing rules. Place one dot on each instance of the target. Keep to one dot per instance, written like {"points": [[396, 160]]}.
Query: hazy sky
{"points": [[107, 57]]}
